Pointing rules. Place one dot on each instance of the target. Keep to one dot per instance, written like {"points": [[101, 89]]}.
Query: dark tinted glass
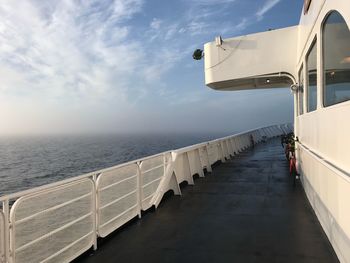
{"points": [[312, 78], [301, 91]]}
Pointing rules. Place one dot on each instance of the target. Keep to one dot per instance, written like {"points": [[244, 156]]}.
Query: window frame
{"points": [[314, 44], [300, 95], [323, 67]]}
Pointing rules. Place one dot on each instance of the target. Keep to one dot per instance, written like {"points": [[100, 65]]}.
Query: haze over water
{"points": [[26, 162]]}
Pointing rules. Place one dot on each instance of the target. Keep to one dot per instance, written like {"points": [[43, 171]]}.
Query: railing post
{"points": [[6, 210], [206, 152], [95, 210], [139, 189], [2, 237], [197, 156], [221, 152], [232, 151], [188, 166], [239, 143], [168, 182]]}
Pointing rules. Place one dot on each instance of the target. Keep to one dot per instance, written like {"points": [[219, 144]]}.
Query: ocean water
{"points": [[27, 162]]}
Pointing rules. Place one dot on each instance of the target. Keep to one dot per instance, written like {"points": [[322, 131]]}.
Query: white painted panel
{"points": [[118, 198], [328, 191], [250, 57], [224, 149], [56, 225], [213, 151], [204, 158], [2, 237], [230, 146], [182, 168], [235, 145], [152, 171], [195, 163], [326, 131]]}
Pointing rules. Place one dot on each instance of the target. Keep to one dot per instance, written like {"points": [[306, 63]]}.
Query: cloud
{"points": [[162, 62], [213, 17], [68, 58], [269, 4], [212, 2], [242, 24], [156, 23], [65, 49]]}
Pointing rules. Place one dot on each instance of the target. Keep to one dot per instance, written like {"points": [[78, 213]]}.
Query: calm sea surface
{"points": [[26, 162]]}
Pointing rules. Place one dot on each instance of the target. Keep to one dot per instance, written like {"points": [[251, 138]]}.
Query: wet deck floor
{"points": [[247, 210]]}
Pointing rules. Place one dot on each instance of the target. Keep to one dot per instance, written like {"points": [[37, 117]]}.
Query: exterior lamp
{"points": [[295, 88], [198, 54]]}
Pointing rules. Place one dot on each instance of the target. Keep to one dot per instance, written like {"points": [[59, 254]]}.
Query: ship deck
{"points": [[246, 210]]}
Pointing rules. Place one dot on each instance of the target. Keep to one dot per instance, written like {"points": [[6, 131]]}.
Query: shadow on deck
{"points": [[247, 210]]}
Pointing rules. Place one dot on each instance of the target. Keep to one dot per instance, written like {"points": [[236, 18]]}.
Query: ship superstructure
{"points": [[312, 58]]}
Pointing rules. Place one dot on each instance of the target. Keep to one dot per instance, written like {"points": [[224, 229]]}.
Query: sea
{"points": [[30, 161]]}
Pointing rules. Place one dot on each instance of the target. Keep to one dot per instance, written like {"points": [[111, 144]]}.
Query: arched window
{"points": [[301, 91], [311, 93], [336, 60]]}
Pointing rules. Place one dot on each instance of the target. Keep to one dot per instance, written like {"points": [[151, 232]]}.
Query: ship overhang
{"points": [[256, 61]]}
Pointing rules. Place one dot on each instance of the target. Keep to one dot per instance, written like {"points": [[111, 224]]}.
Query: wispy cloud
{"points": [[156, 23], [209, 17], [65, 49], [269, 4], [212, 2]]}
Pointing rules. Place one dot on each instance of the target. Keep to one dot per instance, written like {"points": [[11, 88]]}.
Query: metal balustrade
{"points": [[152, 172], [117, 197], [55, 224], [2, 237], [60, 221]]}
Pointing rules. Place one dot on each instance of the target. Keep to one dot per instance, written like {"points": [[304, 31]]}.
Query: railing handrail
{"points": [[75, 178]]}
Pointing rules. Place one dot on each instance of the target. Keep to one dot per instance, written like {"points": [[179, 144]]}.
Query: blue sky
{"points": [[125, 66]]}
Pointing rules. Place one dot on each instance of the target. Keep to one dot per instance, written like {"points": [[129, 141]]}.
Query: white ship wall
{"points": [[323, 155]]}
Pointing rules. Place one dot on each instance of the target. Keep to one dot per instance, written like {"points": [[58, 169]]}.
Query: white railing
{"points": [[2, 237], [60, 221], [117, 197]]}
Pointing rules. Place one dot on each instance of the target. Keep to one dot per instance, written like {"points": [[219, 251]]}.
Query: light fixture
{"points": [[267, 80], [198, 54], [294, 87]]}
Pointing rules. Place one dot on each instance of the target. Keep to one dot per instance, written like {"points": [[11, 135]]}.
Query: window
{"points": [[301, 91], [311, 93], [336, 60]]}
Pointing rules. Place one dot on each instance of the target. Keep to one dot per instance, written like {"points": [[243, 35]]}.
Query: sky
{"points": [[125, 66]]}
